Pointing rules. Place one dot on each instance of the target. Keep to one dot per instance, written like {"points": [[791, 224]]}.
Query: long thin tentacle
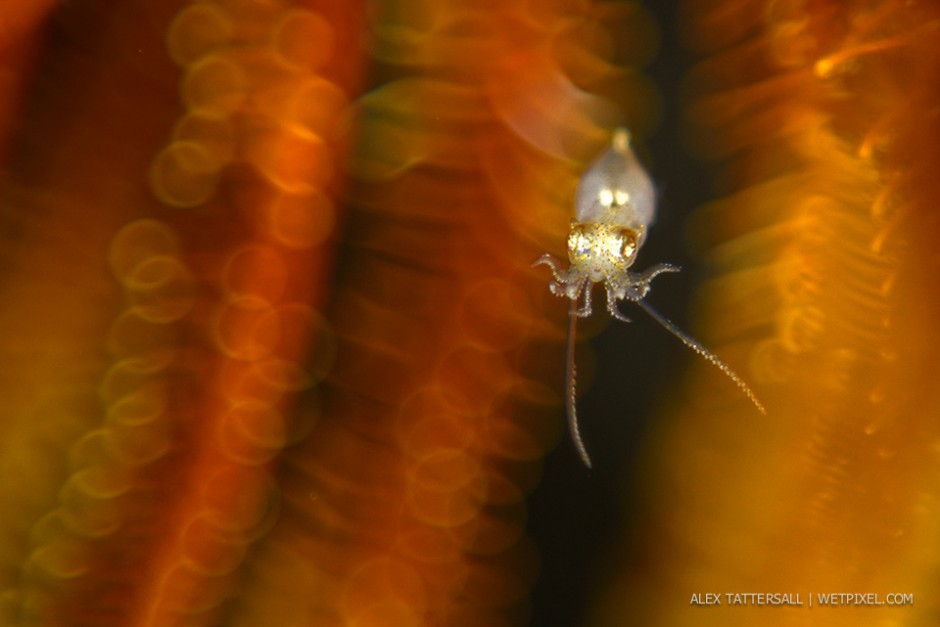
{"points": [[704, 352], [570, 376]]}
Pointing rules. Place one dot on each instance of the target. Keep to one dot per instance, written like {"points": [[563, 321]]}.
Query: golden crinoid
{"points": [[823, 117], [274, 353]]}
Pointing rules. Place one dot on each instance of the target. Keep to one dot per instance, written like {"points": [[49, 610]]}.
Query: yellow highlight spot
{"points": [[196, 31], [848, 57], [184, 174], [823, 67], [303, 40], [215, 86], [301, 221]]}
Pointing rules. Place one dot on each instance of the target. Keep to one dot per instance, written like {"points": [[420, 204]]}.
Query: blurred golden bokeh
{"points": [[823, 118], [275, 354], [273, 340]]}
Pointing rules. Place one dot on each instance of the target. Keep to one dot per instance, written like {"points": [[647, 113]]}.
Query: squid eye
{"points": [[628, 243], [580, 240], [616, 189]]}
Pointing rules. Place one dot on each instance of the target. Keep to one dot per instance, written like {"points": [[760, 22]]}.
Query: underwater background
{"points": [[274, 352]]}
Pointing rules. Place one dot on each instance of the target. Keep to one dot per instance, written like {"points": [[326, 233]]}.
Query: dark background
{"points": [[581, 519]]}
